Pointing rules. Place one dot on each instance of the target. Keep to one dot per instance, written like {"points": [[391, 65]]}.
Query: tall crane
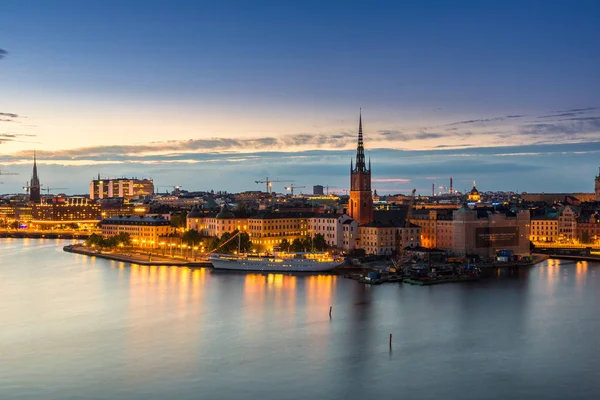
{"points": [[8, 173], [292, 187], [269, 183], [411, 204], [48, 189], [327, 189]]}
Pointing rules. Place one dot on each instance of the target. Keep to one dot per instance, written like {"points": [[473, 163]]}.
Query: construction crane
{"points": [[48, 189], [411, 204], [292, 187], [8, 173], [327, 189], [269, 184]]}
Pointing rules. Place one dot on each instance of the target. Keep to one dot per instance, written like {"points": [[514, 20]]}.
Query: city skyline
{"points": [[216, 97]]}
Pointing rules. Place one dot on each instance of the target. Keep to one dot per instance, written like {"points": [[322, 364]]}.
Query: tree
{"points": [[319, 243], [285, 245], [94, 240], [297, 245], [178, 220], [191, 237], [123, 238]]}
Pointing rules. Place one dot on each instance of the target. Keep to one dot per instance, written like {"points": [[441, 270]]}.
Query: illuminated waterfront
{"points": [[75, 326]]}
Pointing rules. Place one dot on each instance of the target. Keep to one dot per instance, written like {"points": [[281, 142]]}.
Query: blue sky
{"points": [[216, 95]]}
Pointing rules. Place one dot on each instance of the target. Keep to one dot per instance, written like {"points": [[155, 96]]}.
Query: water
{"points": [[78, 327]]}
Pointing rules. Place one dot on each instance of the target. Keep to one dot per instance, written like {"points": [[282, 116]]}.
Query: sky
{"points": [[217, 95]]}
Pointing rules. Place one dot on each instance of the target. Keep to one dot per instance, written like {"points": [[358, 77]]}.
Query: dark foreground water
{"points": [[76, 327]]}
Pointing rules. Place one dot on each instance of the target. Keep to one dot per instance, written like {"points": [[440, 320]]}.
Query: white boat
{"points": [[278, 262]]}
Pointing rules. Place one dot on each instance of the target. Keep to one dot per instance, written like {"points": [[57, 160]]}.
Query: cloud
{"points": [[3, 53], [10, 115], [12, 137]]}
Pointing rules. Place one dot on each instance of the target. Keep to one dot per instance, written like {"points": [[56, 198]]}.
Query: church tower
{"points": [[34, 185], [361, 201]]}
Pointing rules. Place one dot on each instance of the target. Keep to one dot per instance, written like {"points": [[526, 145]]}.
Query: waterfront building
{"points": [[588, 228], [215, 224], [122, 187], [58, 211], [444, 232], [34, 185], [269, 229], [331, 226], [544, 228], [361, 202], [350, 235], [143, 231], [567, 224], [482, 232], [382, 239]]}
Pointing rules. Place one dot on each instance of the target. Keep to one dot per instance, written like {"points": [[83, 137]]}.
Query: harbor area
{"points": [[451, 270]]}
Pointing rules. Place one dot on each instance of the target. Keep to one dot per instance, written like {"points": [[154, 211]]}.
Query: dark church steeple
{"points": [[34, 185], [361, 200]]}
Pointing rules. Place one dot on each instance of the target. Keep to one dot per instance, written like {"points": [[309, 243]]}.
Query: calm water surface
{"points": [[78, 327]]}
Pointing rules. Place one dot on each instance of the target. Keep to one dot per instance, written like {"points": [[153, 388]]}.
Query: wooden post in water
{"points": [[390, 340], [330, 307]]}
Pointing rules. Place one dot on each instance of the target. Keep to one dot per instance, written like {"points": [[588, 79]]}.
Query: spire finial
{"points": [[360, 150], [474, 184]]}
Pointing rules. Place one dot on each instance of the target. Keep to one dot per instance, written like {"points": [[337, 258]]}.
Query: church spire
{"points": [[360, 149]]}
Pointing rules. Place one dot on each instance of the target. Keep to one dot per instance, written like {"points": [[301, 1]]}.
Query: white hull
{"points": [[272, 264]]}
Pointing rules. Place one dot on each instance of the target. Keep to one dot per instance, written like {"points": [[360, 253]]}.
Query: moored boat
{"points": [[278, 262]]}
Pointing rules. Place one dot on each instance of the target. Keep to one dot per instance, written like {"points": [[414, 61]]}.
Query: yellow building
{"points": [[62, 211], [544, 229], [268, 230], [215, 224], [144, 231], [474, 195], [380, 239]]}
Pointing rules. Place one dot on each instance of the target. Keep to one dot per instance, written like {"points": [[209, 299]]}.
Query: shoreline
{"points": [[137, 258]]}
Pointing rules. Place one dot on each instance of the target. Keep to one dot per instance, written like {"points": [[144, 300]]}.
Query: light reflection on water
{"points": [[77, 326]]}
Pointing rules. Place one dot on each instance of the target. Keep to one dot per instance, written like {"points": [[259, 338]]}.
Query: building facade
{"points": [[270, 229], [360, 204], [122, 187], [381, 239], [567, 225], [143, 231], [544, 229], [66, 211], [331, 226], [483, 233]]}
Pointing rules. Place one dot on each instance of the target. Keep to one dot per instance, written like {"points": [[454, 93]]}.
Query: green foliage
{"points": [[319, 243], [285, 245], [110, 242], [178, 220], [226, 246], [297, 245], [191, 237]]}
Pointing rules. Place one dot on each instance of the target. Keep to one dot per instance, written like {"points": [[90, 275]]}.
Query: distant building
{"points": [[143, 231], [474, 195], [552, 198], [331, 226], [482, 232], [384, 239], [270, 229], [544, 229], [122, 187], [567, 224], [66, 210], [361, 200], [318, 190]]}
